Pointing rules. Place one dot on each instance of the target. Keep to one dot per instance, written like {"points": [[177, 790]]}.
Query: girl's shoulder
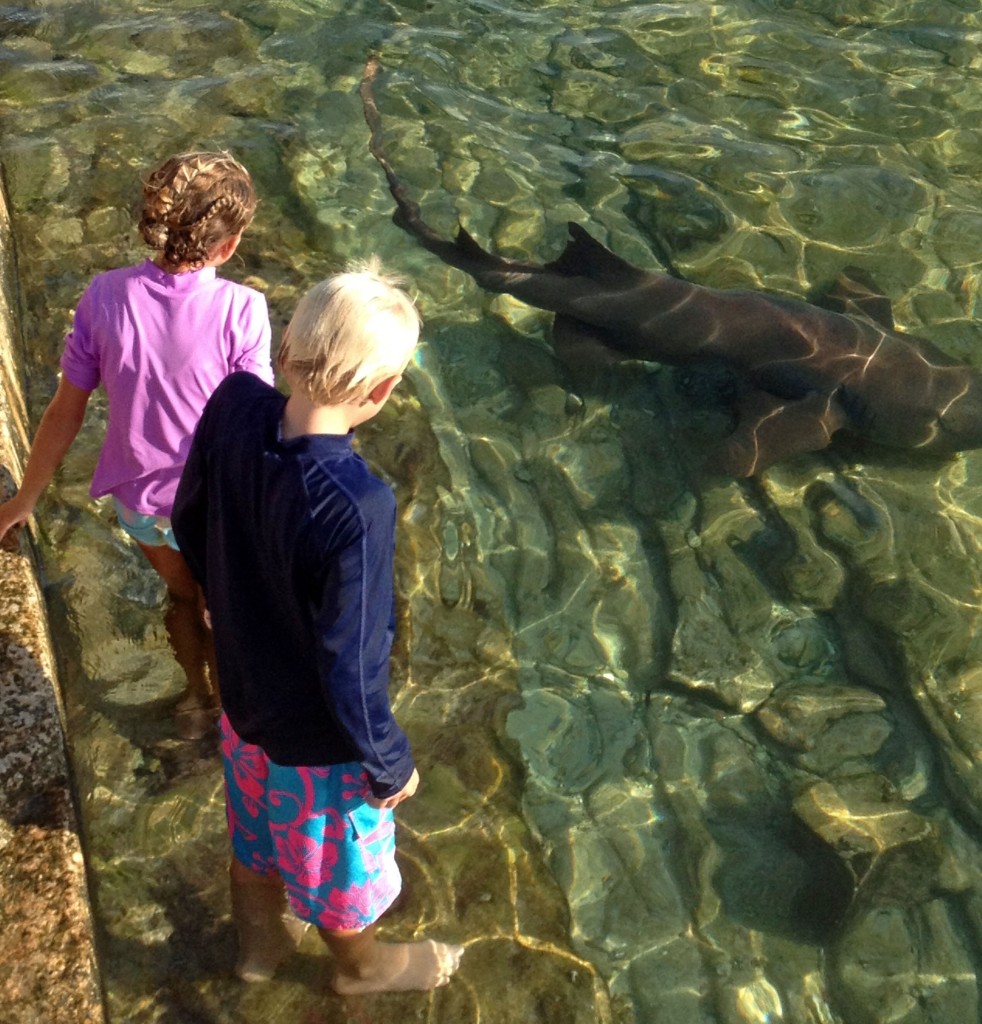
{"points": [[248, 300], [116, 276], [107, 288]]}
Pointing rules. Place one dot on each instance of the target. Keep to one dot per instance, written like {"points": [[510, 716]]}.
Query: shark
{"points": [[803, 372]]}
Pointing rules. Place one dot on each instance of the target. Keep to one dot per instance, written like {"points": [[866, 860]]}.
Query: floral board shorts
{"points": [[151, 531], [334, 852]]}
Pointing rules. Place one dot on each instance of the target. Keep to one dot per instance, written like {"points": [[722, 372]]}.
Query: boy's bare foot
{"points": [[263, 951], [403, 967]]}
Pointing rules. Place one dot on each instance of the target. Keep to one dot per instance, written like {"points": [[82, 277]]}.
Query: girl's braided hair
{"points": [[194, 202]]}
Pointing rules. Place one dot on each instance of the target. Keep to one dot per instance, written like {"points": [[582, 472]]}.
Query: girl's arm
{"points": [[59, 426]]}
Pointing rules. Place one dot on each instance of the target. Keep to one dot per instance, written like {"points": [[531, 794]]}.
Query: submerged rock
{"points": [[893, 853], [798, 715], [906, 964]]}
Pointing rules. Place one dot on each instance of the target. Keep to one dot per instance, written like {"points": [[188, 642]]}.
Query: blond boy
{"points": [[291, 537]]}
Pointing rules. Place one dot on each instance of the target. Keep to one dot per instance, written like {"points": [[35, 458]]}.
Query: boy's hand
{"points": [[397, 798]]}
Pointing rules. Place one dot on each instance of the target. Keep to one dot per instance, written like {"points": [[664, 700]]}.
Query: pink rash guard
{"points": [[160, 344]]}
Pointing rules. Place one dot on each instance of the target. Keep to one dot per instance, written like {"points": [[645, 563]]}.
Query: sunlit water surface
{"points": [[693, 754]]}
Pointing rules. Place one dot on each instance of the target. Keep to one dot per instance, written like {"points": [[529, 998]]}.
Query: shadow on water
{"points": [[777, 877]]}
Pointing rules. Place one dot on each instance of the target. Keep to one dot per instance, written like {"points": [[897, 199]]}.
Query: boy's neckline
{"points": [[282, 438], [301, 418]]}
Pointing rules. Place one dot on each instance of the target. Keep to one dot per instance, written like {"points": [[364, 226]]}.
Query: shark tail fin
{"points": [[584, 256]]}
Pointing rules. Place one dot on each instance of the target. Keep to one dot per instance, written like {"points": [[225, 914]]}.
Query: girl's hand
{"points": [[59, 425], [14, 514], [397, 798]]}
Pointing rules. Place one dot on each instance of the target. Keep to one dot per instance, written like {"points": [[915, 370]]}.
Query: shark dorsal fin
{"points": [[468, 246], [584, 256]]}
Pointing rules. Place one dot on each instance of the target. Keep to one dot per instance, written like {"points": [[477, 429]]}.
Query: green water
{"points": [[690, 755]]}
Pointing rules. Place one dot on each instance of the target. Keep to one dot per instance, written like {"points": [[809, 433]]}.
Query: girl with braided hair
{"points": [[160, 337]]}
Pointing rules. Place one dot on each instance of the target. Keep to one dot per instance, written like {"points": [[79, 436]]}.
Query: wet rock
{"points": [[37, 169], [16, 20], [893, 853], [139, 44], [572, 743], [801, 647], [809, 570], [847, 746], [905, 964], [952, 232], [917, 595], [747, 1002], [520, 546], [753, 881], [823, 202], [707, 655], [497, 182], [253, 92], [593, 468], [33, 75], [798, 714], [666, 982], [556, 985], [853, 524], [108, 225], [619, 887], [66, 233]]}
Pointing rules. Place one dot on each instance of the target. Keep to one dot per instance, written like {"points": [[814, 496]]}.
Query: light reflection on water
{"points": [[689, 754]]}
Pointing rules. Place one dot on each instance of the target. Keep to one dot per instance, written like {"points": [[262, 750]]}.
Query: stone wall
{"points": [[48, 969]]}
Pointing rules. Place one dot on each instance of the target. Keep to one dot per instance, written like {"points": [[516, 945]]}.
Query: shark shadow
{"points": [[804, 373]]}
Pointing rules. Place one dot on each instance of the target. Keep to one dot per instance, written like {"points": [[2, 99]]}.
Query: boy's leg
{"points": [[348, 877], [367, 965], [267, 932], [190, 640]]}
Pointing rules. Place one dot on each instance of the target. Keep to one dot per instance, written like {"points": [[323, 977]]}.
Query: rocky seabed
{"points": [[749, 712]]}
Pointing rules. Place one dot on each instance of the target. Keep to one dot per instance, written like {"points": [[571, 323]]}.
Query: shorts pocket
{"points": [[369, 823]]}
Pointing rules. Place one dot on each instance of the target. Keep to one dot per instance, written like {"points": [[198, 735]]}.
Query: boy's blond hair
{"points": [[349, 333]]}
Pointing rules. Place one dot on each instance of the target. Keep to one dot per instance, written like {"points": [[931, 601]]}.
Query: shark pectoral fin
{"points": [[577, 344], [585, 352], [770, 428]]}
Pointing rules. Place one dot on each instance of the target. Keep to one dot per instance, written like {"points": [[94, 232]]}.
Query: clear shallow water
{"points": [[689, 755]]}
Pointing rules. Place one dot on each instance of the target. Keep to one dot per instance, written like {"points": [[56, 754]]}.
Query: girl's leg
{"points": [[367, 965], [190, 639]]}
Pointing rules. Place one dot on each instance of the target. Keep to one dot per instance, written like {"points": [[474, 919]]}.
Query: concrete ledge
{"points": [[48, 969]]}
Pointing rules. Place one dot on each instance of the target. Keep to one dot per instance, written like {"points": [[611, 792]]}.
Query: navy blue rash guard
{"points": [[292, 542]]}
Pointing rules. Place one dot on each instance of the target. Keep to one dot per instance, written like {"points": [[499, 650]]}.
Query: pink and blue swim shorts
{"points": [[334, 852]]}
